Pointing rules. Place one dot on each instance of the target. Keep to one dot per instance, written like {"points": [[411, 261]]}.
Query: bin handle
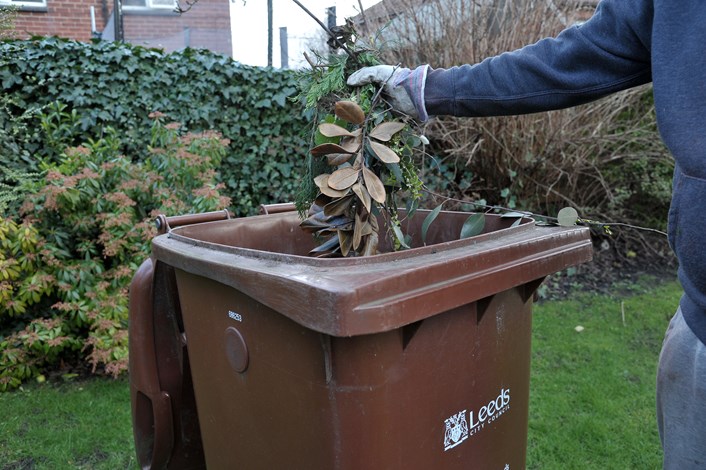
{"points": [[165, 224], [277, 208]]}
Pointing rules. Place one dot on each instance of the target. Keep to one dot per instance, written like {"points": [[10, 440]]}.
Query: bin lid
{"points": [[264, 257]]}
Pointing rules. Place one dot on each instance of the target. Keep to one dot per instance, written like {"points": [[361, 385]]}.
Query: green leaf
{"points": [[473, 226], [567, 217], [400, 236], [428, 221]]}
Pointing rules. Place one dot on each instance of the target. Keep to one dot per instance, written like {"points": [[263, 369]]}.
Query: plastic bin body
{"points": [[410, 360]]}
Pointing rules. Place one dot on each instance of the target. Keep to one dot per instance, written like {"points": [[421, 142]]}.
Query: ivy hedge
{"points": [[108, 84]]}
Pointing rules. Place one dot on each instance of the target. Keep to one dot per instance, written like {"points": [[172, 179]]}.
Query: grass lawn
{"points": [[591, 404]]}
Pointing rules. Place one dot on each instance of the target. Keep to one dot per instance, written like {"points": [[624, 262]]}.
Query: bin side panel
{"points": [[272, 414], [455, 396], [448, 392]]}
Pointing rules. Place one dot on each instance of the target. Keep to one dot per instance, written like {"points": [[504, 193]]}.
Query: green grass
{"points": [[592, 398], [72, 425], [591, 405]]}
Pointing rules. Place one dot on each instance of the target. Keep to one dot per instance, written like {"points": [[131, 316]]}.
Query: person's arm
{"points": [[608, 53]]}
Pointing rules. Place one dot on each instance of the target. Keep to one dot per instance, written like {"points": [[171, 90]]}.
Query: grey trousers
{"points": [[681, 397]]}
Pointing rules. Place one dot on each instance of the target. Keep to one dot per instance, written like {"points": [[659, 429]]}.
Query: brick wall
{"points": [[206, 25], [66, 18]]}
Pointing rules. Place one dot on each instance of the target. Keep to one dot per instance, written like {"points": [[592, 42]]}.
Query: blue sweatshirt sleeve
{"points": [[608, 53]]}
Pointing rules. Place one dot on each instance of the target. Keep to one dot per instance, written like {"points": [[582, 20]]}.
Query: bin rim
{"points": [[526, 224], [355, 296]]}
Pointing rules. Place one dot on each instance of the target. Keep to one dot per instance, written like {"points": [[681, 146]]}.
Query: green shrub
{"points": [[86, 225], [80, 89]]}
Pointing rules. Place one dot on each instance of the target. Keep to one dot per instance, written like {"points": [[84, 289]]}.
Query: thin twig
{"points": [[328, 31], [589, 222]]}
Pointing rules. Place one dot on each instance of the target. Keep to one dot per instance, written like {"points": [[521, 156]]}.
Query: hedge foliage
{"points": [[106, 84], [84, 226]]}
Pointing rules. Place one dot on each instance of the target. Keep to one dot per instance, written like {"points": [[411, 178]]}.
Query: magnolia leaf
{"points": [[567, 217], [329, 246], [400, 236], [363, 195], [345, 239], [334, 193], [371, 245], [374, 186], [333, 130], [366, 229], [313, 224], [385, 130], [338, 206], [516, 223], [343, 178], [335, 159], [384, 153], [321, 180], [326, 149], [357, 232], [428, 220], [349, 112], [473, 226], [351, 144], [340, 222]]}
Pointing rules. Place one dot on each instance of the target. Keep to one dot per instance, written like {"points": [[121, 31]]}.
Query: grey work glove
{"points": [[404, 88]]}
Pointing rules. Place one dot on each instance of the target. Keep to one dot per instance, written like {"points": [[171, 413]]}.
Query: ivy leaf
{"points": [[385, 130], [567, 217], [384, 153], [473, 226], [428, 221]]}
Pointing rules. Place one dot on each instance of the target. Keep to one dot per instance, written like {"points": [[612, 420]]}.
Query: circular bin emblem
{"points": [[236, 350]]}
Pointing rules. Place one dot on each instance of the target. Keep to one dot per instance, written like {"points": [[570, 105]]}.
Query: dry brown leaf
{"points": [[385, 130], [371, 245], [349, 111], [343, 178], [333, 130], [326, 149], [384, 153], [335, 159], [351, 144], [374, 186], [363, 195], [357, 232], [345, 239], [338, 206], [321, 180]]}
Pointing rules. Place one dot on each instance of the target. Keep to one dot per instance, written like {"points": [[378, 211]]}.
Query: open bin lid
{"points": [[264, 257]]}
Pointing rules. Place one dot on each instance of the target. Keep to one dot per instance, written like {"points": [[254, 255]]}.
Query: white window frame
{"points": [[21, 4], [150, 5]]}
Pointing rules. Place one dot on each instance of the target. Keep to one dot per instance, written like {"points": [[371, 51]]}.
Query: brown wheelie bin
{"points": [[417, 359]]}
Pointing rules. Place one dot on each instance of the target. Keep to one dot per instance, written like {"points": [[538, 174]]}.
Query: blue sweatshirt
{"points": [[626, 43]]}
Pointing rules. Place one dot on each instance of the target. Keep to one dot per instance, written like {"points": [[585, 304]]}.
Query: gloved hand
{"points": [[404, 88]]}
